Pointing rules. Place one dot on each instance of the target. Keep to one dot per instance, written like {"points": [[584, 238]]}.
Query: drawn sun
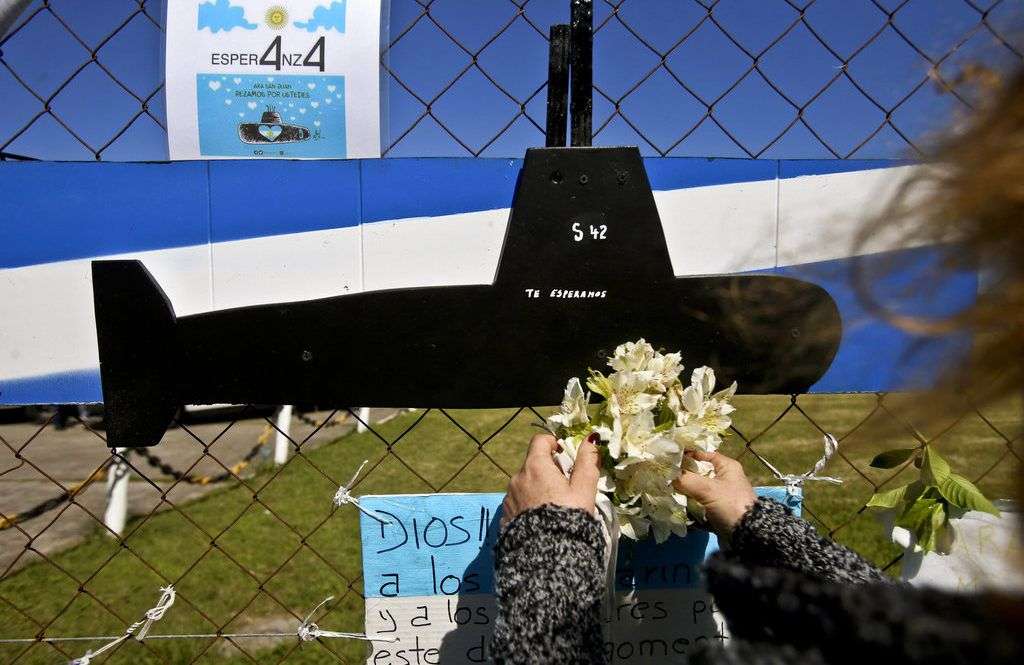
{"points": [[276, 17]]}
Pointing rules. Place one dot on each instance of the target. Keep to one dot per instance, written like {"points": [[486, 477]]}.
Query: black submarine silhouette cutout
{"points": [[560, 302], [271, 129]]}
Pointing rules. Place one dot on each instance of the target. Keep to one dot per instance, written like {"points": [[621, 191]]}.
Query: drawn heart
{"points": [[270, 78], [237, 80], [311, 85], [252, 105], [228, 102], [316, 122], [214, 85], [241, 115], [302, 110], [332, 88], [338, 95], [314, 104], [327, 101], [271, 132]]}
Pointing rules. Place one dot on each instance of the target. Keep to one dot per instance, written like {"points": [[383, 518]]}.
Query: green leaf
{"points": [[889, 499], [917, 514], [931, 531], [934, 469], [962, 493], [926, 519], [892, 458]]}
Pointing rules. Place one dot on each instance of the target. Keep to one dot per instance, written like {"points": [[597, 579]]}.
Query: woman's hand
{"points": [[726, 497], [541, 480]]}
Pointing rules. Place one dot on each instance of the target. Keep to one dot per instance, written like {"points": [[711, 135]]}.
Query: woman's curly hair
{"points": [[967, 199]]}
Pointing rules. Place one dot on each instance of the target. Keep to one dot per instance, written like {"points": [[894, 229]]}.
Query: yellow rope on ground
{"points": [[75, 489], [69, 494]]}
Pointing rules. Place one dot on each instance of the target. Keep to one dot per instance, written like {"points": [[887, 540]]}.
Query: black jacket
{"points": [[788, 595]]}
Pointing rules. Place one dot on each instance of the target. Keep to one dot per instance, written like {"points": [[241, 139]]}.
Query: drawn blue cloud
{"points": [[220, 15], [326, 18]]}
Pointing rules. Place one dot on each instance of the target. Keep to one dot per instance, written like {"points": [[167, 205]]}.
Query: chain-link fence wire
{"points": [[254, 552], [733, 78], [252, 546]]}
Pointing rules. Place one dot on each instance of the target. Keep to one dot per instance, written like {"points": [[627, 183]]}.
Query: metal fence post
{"points": [[364, 418], [284, 423], [116, 514]]}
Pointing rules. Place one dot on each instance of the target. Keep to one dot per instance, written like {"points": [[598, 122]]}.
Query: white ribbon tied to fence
{"points": [[153, 615], [344, 495], [309, 631], [794, 482]]}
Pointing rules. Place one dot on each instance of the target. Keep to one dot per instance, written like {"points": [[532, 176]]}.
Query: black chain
{"points": [[55, 502]]}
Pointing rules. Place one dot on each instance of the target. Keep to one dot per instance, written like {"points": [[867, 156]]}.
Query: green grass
{"points": [[246, 558]]}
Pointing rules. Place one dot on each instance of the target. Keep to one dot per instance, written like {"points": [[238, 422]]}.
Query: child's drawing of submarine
{"points": [[270, 129], [558, 305]]}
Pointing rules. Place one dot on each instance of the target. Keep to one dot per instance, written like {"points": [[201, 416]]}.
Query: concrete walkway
{"points": [[71, 455]]}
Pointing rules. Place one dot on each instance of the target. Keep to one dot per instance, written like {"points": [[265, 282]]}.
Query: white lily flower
{"points": [[647, 422], [660, 370], [574, 406], [631, 522], [632, 356], [632, 391], [700, 467]]}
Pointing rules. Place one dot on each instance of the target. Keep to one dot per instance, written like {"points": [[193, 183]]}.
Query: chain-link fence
{"points": [[734, 78], [251, 545]]}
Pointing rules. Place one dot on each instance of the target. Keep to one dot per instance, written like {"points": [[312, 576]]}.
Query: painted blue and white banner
{"points": [[428, 580], [262, 80], [324, 228]]}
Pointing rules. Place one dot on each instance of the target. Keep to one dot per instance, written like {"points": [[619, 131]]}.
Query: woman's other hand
{"points": [[541, 481], [726, 497]]}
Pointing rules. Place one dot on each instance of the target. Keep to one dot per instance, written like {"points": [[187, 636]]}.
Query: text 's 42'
{"points": [[598, 232]]}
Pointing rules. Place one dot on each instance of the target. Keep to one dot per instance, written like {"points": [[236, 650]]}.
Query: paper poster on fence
{"points": [[293, 79], [428, 580]]}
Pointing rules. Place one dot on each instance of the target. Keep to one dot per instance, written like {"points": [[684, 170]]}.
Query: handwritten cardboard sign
{"points": [[428, 579]]}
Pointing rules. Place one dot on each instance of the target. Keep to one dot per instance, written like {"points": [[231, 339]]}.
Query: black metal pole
{"points": [[558, 86], [581, 103]]}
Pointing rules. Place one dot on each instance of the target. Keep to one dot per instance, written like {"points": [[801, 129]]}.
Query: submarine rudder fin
{"points": [[137, 339]]}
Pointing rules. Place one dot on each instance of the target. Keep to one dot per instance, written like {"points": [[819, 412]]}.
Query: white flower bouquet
{"points": [[643, 428]]}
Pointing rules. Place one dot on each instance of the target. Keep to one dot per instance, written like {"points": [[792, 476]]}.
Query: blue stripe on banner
{"points": [[63, 211], [400, 188], [253, 199], [794, 168], [877, 355], [59, 211], [666, 173], [78, 387]]}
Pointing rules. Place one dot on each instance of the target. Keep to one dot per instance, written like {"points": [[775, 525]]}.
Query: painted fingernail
{"points": [[594, 438]]}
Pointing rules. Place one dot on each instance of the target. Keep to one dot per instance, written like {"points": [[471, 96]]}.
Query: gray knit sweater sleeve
{"points": [[550, 581], [770, 536]]}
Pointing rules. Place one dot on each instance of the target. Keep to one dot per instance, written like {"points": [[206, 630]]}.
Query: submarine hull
{"points": [[558, 306]]}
